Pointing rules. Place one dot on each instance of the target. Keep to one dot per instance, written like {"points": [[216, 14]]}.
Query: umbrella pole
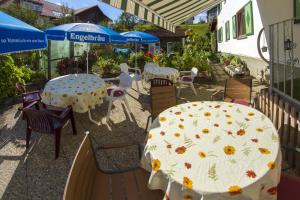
{"points": [[87, 59], [135, 55]]}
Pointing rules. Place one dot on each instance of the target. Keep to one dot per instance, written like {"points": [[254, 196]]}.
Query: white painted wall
{"points": [[265, 12], [243, 47]]}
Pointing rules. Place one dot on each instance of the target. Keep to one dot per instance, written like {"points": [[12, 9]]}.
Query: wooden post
{"points": [[286, 129], [280, 119], [293, 137], [49, 59], [275, 111]]}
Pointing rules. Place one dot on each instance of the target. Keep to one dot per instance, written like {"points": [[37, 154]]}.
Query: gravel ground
{"points": [[34, 174]]}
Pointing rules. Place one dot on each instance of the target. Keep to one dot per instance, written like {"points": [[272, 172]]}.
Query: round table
{"points": [[153, 71], [82, 91], [213, 150]]}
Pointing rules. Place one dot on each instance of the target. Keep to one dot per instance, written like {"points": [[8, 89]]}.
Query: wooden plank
{"points": [[264, 101], [286, 128], [280, 119], [261, 101], [131, 186], [142, 178], [293, 137], [275, 111], [102, 187], [298, 146], [267, 105], [118, 188]]}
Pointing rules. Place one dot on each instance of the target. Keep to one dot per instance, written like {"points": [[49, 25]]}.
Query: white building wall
{"points": [[243, 47], [265, 12]]}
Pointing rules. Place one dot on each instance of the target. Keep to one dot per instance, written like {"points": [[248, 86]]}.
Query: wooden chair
{"points": [[236, 91], [157, 82], [47, 121], [87, 181], [289, 188], [162, 98]]}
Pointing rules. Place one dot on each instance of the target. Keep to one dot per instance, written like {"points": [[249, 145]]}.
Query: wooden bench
{"points": [[87, 182]]}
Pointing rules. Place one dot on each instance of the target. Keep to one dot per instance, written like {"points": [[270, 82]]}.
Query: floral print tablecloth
{"points": [[153, 71], [82, 91], [213, 151]]}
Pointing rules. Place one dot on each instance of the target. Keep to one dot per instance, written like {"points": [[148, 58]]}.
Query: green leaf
{"points": [[212, 172]]}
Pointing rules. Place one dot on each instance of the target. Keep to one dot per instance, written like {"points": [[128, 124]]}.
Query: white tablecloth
{"points": [[214, 151], [82, 91], [153, 71]]}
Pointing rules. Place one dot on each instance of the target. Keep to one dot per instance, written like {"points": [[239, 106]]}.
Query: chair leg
{"points": [[137, 86], [109, 109], [73, 123], [28, 136], [193, 88], [57, 142], [179, 90], [127, 107]]}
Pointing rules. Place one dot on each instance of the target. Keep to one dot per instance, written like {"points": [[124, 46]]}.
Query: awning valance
{"points": [[164, 13]]}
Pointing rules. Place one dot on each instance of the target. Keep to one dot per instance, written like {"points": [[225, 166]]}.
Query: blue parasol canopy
{"points": [[16, 35], [140, 37], [85, 32]]}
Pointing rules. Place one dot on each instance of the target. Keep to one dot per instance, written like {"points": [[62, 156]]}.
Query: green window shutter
{"points": [[220, 35], [234, 28], [249, 19], [227, 30]]}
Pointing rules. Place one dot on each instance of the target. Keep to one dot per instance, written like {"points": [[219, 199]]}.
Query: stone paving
{"points": [[35, 174]]}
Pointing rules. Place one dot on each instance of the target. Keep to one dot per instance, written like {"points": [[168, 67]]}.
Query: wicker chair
{"points": [[236, 91], [158, 82], [47, 121], [88, 181], [162, 98]]}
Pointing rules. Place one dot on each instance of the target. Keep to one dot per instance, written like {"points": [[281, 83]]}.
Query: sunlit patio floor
{"points": [[37, 175]]}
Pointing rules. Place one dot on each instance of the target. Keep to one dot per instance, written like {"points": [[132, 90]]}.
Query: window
{"points": [[297, 11], [241, 30], [227, 30], [220, 35], [234, 30], [244, 21]]}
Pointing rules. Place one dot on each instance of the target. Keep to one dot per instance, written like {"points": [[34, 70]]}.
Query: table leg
{"points": [[92, 120]]}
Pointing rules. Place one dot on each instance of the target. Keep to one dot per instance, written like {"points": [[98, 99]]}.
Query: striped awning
{"points": [[164, 13]]}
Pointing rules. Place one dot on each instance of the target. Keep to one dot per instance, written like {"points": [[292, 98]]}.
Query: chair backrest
{"points": [[194, 72], [124, 67], [83, 172], [125, 80], [39, 120], [20, 88], [162, 98], [157, 82], [238, 89]]}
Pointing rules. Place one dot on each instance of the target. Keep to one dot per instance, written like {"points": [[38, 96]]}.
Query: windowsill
{"points": [[242, 37]]}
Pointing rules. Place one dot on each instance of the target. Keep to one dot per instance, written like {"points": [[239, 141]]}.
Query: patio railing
{"points": [[285, 116]]}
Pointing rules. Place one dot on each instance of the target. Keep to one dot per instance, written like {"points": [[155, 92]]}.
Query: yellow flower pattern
{"points": [[217, 135], [82, 91]]}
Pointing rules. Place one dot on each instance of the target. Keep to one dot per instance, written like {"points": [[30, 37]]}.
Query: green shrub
{"points": [[38, 77], [105, 66], [141, 59], [10, 74]]}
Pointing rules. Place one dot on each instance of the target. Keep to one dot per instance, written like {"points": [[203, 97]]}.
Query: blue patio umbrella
{"points": [[85, 32], [138, 37], [16, 35]]}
